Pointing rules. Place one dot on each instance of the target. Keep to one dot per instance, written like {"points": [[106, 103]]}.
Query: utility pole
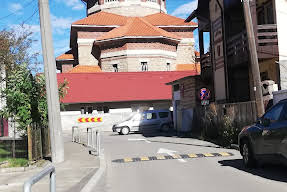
{"points": [[57, 144], [253, 58]]}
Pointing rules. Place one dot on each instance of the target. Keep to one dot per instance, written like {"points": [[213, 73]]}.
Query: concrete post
{"points": [[57, 145], [254, 59]]}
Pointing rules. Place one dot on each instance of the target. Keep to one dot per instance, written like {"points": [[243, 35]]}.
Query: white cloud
{"points": [[60, 24], [61, 46], [20, 29], [74, 4], [15, 8], [185, 9]]}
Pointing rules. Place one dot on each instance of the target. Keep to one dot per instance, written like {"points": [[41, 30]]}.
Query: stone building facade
{"points": [[132, 8], [130, 36]]}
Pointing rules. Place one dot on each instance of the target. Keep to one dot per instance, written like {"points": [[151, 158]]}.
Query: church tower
{"points": [[134, 8]]}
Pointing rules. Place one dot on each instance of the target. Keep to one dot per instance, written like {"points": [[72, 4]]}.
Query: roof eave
{"points": [[192, 16], [177, 26], [65, 59], [95, 26], [136, 37], [183, 78], [90, 102]]}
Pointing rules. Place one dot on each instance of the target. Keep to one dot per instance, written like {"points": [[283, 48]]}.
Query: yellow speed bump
{"points": [[126, 160], [192, 155], [208, 155], [160, 157], [144, 159], [176, 156], [224, 154]]}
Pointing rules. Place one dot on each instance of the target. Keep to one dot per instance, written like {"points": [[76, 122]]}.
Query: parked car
{"points": [[146, 121], [266, 140]]}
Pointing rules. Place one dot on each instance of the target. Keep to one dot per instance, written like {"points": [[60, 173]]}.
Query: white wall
{"points": [[281, 7]]}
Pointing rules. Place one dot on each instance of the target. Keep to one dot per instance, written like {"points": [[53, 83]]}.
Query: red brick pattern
{"points": [[145, 46], [183, 34], [66, 68], [90, 35]]}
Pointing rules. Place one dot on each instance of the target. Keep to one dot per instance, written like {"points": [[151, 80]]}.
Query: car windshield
{"points": [[131, 117]]}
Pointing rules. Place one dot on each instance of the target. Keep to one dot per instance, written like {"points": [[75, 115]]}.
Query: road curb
{"points": [[89, 187]]}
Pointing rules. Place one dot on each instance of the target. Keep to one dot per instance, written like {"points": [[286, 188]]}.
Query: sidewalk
{"points": [[71, 175]]}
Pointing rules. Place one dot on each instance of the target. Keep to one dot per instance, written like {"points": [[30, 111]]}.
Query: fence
{"points": [[38, 141], [244, 113], [225, 120], [89, 137]]}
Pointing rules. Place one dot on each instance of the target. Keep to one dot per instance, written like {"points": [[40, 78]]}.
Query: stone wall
{"points": [[127, 7], [185, 52], [133, 63], [85, 54]]}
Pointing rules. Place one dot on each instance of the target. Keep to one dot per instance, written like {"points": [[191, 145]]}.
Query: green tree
{"points": [[25, 94]]}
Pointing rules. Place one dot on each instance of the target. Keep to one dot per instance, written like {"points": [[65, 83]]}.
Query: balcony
{"points": [[205, 60], [267, 46], [206, 67], [237, 47]]}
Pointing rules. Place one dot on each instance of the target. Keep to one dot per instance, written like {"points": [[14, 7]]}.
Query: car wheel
{"points": [[125, 131], [247, 154], [165, 128]]}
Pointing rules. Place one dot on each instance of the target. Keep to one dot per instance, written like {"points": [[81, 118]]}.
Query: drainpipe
{"points": [[224, 51]]}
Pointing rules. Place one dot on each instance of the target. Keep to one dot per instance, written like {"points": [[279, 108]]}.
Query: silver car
{"points": [[150, 120]]}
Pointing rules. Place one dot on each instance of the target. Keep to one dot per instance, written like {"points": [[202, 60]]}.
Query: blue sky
{"points": [[63, 13]]}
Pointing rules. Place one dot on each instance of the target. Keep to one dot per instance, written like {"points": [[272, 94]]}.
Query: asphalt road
{"points": [[201, 174]]}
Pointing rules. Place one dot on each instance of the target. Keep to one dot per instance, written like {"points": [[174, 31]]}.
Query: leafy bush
{"points": [[227, 132], [224, 131]]}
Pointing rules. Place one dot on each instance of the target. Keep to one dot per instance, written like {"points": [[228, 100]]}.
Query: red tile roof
{"points": [[135, 27], [65, 56], [85, 69], [158, 19], [185, 67], [102, 18], [162, 19], [117, 87]]}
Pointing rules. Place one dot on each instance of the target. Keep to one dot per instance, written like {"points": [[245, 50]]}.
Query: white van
{"points": [[146, 121]]}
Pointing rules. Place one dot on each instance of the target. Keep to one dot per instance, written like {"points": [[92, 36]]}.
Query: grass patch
{"points": [[5, 155], [4, 152], [17, 162]]}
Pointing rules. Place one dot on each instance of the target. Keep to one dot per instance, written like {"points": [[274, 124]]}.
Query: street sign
{"points": [[205, 102], [204, 94], [90, 120]]}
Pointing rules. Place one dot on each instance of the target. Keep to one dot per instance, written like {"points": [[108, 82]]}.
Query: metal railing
{"points": [[89, 137], [49, 170]]}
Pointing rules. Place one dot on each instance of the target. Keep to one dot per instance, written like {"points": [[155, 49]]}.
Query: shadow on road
{"points": [[272, 172], [151, 136]]}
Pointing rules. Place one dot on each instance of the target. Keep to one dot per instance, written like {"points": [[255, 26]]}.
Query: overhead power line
{"points": [[13, 13]]}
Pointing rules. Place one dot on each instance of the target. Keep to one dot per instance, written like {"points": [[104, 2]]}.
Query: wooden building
{"points": [[226, 63]]}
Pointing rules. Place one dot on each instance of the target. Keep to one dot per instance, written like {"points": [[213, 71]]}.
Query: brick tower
{"points": [[132, 8]]}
